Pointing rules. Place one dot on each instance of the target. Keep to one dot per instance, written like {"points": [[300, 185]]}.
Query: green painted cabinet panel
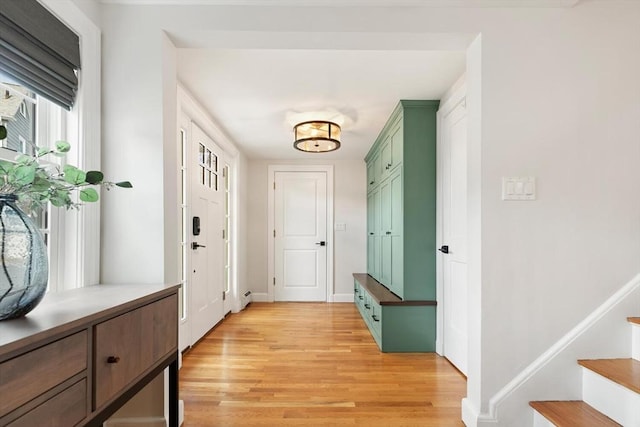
{"points": [[406, 151], [395, 326], [373, 234], [401, 244], [373, 172]]}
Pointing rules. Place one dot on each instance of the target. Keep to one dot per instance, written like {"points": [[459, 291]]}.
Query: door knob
{"points": [[444, 249], [323, 243], [195, 245]]}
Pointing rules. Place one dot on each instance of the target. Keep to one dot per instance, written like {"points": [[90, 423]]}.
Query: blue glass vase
{"points": [[24, 268]]}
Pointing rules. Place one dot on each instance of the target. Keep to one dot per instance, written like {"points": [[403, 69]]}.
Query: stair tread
{"points": [[635, 320], [625, 372], [572, 413]]}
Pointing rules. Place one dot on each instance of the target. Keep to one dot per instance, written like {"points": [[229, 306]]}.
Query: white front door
{"points": [[207, 243], [300, 236], [454, 235]]}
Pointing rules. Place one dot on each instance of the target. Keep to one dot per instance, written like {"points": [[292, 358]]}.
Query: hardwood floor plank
{"points": [[312, 364]]}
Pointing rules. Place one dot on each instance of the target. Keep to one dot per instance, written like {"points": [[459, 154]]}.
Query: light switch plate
{"points": [[518, 188]]}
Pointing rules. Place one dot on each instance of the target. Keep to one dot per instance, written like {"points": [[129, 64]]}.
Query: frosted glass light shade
{"points": [[317, 136]]}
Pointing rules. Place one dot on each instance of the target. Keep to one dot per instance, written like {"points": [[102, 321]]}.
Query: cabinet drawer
{"points": [[31, 374], [127, 345], [65, 409]]}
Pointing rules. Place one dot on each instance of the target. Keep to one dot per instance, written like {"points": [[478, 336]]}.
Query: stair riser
{"points": [[540, 420], [635, 341], [617, 402]]}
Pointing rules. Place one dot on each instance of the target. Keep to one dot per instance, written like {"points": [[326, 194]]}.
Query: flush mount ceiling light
{"points": [[317, 136]]}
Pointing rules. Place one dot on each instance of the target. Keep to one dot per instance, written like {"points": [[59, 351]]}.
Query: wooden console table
{"points": [[81, 354]]}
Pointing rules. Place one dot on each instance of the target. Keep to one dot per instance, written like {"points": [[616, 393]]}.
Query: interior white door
{"points": [[454, 224], [300, 253], [207, 244]]}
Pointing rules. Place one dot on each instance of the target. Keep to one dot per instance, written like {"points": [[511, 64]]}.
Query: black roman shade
{"points": [[39, 51]]}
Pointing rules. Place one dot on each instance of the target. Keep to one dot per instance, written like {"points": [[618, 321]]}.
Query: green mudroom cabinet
{"points": [[397, 295]]}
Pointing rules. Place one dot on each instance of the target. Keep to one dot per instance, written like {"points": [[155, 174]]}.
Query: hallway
{"points": [[312, 364]]}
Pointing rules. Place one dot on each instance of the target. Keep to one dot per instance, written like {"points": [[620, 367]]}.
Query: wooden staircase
{"points": [[610, 393]]}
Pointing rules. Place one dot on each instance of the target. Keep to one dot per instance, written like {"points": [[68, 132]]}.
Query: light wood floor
{"points": [[312, 364]]}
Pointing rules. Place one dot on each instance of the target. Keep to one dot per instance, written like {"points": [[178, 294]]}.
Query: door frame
{"points": [[458, 96], [272, 169], [190, 111]]}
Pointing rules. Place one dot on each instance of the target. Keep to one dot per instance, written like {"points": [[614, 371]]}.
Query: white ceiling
{"points": [[252, 94], [253, 82]]}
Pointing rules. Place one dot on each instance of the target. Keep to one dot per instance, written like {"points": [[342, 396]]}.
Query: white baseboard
{"points": [[342, 298], [136, 422], [259, 297]]}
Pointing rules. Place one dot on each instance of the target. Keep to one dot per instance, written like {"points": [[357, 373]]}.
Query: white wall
{"points": [[350, 208], [560, 100]]}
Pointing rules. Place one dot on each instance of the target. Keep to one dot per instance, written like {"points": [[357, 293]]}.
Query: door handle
{"points": [[323, 243], [444, 249], [195, 245]]}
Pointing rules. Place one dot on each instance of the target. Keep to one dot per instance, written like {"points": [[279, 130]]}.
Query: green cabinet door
{"points": [[373, 233], [385, 233], [396, 284], [373, 172]]}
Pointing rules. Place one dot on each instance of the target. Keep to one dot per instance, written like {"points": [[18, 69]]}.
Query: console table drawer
{"points": [[31, 374], [65, 409], [127, 345]]}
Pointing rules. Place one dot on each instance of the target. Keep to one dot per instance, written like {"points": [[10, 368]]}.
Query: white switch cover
{"points": [[341, 226], [518, 188]]}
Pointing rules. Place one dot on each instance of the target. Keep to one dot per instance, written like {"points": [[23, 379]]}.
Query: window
{"points": [[39, 126], [23, 109], [73, 237]]}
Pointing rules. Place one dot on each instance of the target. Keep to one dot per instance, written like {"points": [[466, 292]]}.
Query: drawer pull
{"points": [[372, 182], [360, 296], [375, 318], [355, 290], [113, 359], [367, 306], [388, 232]]}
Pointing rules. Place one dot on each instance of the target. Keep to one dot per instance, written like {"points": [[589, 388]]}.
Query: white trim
{"points": [[82, 257], [358, 3], [272, 169], [527, 373], [342, 298], [138, 421], [260, 297], [453, 98]]}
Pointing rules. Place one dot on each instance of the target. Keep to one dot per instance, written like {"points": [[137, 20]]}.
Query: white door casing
{"points": [[452, 173], [300, 218], [206, 254]]}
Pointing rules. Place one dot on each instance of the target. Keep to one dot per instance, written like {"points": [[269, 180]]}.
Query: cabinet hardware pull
{"points": [[367, 306], [372, 182], [370, 234], [360, 297], [355, 290], [113, 359], [389, 165], [388, 232], [375, 318]]}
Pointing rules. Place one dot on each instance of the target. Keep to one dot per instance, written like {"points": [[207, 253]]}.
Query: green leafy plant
{"points": [[36, 182]]}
